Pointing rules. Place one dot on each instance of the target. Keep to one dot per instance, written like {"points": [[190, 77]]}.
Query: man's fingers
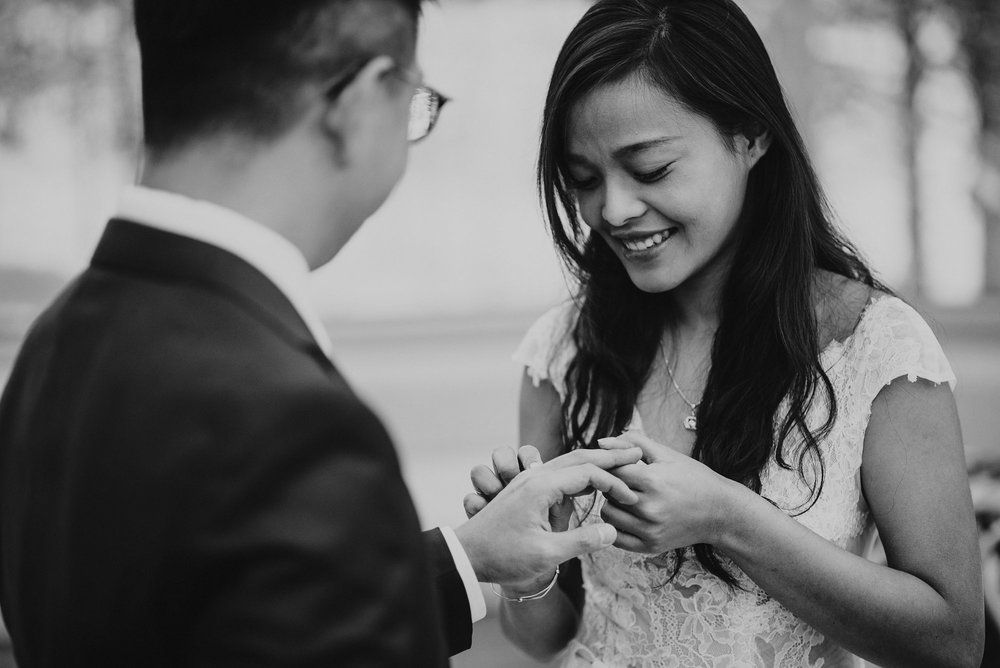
{"points": [[574, 480], [605, 459], [505, 464], [486, 482], [583, 540], [529, 457], [473, 503]]}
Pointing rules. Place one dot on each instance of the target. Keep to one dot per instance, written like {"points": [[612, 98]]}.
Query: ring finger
{"points": [[623, 520]]}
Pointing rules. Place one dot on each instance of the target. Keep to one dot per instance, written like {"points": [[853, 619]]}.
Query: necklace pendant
{"points": [[691, 423]]}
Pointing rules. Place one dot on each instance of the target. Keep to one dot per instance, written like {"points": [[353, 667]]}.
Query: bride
{"points": [[787, 403]]}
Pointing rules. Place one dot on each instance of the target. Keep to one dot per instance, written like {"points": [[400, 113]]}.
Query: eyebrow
{"points": [[639, 147], [626, 151]]}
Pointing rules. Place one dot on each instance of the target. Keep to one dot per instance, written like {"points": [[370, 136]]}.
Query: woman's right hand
{"points": [[682, 502]]}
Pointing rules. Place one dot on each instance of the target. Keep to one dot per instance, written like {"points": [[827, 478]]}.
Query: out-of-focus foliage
{"points": [[78, 57], [47, 44], [977, 27], [979, 22]]}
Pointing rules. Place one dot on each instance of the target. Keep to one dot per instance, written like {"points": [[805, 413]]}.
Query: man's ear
{"points": [[347, 109]]}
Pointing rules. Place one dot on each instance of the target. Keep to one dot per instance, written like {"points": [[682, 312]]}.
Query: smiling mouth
{"points": [[639, 244]]}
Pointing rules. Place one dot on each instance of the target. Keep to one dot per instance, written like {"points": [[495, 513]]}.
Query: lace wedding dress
{"points": [[634, 617]]}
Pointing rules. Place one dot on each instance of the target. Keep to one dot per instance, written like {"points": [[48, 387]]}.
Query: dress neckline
{"points": [[834, 346]]}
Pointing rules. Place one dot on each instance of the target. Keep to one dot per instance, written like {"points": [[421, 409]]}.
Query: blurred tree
{"points": [[903, 18], [977, 23], [907, 16], [979, 30], [83, 45]]}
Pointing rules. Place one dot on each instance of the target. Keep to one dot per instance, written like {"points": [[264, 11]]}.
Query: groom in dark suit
{"points": [[185, 477]]}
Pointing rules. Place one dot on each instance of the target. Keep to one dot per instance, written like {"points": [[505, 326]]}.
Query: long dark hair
{"points": [[765, 369]]}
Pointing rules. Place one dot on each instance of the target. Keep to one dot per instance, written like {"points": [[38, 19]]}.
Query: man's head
{"points": [[307, 98], [246, 66]]}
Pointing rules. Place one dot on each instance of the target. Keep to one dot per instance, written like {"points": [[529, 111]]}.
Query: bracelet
{"points": [[527, 597]]}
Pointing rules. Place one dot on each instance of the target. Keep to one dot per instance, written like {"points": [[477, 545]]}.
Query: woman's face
{"points": [[659, 183]]}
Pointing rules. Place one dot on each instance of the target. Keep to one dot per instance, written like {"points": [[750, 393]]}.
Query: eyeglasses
{"points": [[425, 109], [425, 105]]}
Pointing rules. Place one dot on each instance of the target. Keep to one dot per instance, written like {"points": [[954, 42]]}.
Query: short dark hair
{"points": [[240, 65]]}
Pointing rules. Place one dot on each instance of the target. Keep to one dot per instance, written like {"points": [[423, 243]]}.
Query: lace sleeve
{"points": [[897, 342], [547, 349]]}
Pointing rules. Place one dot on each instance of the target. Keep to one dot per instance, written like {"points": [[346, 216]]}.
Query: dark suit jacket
{"points": [[186, 480]]}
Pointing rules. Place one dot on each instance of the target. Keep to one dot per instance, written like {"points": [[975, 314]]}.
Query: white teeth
{"points": [[636, 245]]}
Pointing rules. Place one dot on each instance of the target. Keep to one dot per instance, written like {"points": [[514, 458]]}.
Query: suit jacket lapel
{"points": [[135, 248]]}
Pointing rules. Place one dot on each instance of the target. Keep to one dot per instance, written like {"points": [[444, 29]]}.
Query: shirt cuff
{"points": [[477, 604]]}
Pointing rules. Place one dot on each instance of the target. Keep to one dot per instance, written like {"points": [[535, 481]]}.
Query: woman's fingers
{"points": [[622, 519], [627, 541], [633, 475], [561, 515], [651, 450], [505, 464], [614, 443]]}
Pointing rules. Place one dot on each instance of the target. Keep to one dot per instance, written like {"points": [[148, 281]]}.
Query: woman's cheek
{"points": [[590, 211]]}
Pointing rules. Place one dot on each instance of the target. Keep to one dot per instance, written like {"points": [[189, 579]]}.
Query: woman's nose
{"points": [[621, 204]]}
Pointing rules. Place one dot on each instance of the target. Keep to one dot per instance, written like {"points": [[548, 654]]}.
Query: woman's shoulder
{"points": [[885, 337], [841, 303], [547, 349], [901, 338]]}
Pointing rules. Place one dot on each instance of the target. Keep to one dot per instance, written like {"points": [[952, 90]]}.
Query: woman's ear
{"points": [[757, 145]]}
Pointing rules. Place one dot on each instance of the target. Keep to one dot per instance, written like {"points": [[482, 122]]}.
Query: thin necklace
{"points": [[691, 421]]}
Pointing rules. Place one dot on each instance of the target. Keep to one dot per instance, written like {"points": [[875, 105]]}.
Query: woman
{"points": [[786, 402]]}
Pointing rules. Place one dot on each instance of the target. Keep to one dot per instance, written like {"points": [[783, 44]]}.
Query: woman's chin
{"points": [[652, 284]]}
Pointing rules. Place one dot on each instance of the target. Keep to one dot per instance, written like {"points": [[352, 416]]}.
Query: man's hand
{"points": [[511, 540], [488, 482]]}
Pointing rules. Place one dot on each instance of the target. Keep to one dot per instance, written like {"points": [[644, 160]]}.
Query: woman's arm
{"points": [[544, 627], [925, 608]]}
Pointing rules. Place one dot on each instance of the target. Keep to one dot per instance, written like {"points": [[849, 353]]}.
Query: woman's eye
{"points": [[653, 176], [581, 184]]}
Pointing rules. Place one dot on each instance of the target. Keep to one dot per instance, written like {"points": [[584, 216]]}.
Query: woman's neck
{"points": [[697, 302]]}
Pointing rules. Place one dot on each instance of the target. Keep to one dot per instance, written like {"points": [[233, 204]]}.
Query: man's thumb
{"points": [[585, 539]]}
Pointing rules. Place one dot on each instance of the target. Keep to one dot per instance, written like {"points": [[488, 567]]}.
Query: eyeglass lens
{"points": [[424, 109]]}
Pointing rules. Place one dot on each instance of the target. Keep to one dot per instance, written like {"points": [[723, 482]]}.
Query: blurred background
{"points": [[899, 101]]}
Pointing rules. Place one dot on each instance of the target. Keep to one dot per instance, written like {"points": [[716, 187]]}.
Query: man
{"points": [[186, 478]]}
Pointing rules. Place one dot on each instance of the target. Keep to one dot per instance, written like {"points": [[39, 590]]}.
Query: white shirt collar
{"points": [[264, 249]]}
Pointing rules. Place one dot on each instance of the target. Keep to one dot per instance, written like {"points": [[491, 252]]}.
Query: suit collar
{"points": [[261, 247], [132, 247]]}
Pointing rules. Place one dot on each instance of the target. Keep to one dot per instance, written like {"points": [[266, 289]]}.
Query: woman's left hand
{"points": [[682, 502]]}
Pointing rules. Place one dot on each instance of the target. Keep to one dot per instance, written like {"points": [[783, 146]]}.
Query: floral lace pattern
{"points": [[635, 618]]}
